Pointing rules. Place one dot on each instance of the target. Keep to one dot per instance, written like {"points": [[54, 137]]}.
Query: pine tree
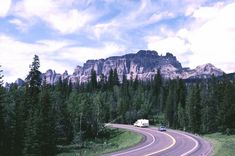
{"points": [[110, 79], [136, 83], [31, 140], [181, 117], [227, 112], [156, 90], [47, 125], [2, 123], [93, 80], [170, 105], [13, 143], [63, 122], [194, 110], [19, 121], [34, 77], [102, 82], [115, 77], [210, 107], [180, 104]]}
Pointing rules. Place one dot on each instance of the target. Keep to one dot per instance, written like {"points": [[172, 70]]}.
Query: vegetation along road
{"points": [[171, 142]]}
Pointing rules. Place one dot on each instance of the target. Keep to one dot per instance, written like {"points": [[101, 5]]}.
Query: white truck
{"points": [[142, 123]]}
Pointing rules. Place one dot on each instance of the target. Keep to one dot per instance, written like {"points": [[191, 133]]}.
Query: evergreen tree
{"points": [[93, 80], [31, 146], [2, 123], [156, 90], [115, 77], [181, 117], [47, 125], [194, 110], [34, 77], [170, 105], [136, 83], [180, 104], [157, 82], [181, 92], [111, 79], [227, 112], [210, 107], [13, 143], [62, 92], [19, 121], [102, 82]]}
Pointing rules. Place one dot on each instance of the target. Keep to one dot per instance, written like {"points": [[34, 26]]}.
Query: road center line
{"points": [[191, 138], [134, 150], [168, 147], [194, 140]]}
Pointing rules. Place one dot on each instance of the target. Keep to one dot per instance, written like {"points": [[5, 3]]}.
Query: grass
{"points": [[223, 145], [119, 139]]}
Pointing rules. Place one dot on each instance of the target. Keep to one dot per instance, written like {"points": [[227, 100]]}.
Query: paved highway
{"points": [[169, 143]]}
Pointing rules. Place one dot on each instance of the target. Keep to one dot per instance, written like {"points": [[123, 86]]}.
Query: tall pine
{"points": [[93, 80], [2, 124], [31, 140], [47, 135], [194, 109], [227, 109]]}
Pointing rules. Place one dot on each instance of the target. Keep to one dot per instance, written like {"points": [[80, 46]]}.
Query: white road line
{"points": [[194, 140], [173, 143], [166, 148], [134, 150]]}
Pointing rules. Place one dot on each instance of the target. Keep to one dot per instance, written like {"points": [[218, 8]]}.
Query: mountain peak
{"points": [[147, 52], [169, 54], [207, 65], [205, 71], [144, 64], [208, 68]]}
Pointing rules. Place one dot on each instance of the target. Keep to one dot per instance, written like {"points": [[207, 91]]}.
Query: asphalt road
{"points": [[169, 143]]}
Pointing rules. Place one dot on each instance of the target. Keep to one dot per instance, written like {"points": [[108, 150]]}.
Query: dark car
{"points": [[162, 128]]}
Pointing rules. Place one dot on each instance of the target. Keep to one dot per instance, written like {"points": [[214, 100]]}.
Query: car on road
{"points": [[162, 128]]}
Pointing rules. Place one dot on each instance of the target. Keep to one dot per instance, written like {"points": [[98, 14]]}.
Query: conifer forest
{"points": [[36, 118]]}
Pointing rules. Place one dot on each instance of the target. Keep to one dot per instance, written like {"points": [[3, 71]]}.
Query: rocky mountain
{"points": [[143, 64]]}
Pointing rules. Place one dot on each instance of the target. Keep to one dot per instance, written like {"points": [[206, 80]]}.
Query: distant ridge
{"points": [[143, 64]]}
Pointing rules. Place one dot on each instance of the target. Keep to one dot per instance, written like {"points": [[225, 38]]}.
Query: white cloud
{"points": [[21, 25], [69, 22], [209, 38], [133, 15], [83, 54], [60, 14], [4, 7], [156, 17], [214, 40], [112, 28], [16, 56], [53, 54], [176, 45]]}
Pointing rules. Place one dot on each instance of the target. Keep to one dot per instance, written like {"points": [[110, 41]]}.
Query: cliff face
{"points": [[143, 64]]}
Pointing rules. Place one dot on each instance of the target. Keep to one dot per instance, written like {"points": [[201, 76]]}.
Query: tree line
{"points": [[38, 118]]}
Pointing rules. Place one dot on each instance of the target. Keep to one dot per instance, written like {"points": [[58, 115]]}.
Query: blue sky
{"points": [[65, 33]]}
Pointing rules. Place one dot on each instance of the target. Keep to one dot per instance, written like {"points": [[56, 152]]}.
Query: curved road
{"points": [[169, 143]]}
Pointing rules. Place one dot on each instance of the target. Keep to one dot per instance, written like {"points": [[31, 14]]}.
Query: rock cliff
{"points": [[143, 64]]}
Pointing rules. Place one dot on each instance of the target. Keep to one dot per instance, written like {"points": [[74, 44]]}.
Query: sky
{"points": [[66, 33]]}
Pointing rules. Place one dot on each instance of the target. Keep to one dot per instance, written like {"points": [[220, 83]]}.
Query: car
{"points": [[162, 128]]}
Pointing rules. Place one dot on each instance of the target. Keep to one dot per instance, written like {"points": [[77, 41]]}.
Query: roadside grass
{"points": [[223, 145], [119, 139]]}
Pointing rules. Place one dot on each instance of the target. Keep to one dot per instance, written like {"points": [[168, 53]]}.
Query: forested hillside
{"points": [[36, 118]]}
